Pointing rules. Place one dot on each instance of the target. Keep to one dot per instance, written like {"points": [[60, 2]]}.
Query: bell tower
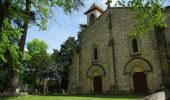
{"points": [[93, 13]]}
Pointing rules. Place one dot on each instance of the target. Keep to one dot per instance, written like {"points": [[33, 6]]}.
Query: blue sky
{"points": [[63, 25]]}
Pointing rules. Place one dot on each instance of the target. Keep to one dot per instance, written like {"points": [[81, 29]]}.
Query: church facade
{"points": [[108, 61]]}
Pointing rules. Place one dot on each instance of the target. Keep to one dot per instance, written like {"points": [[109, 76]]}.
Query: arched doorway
{"points": [[97, 84], [140, 83], [138, 71], [95, 73]]}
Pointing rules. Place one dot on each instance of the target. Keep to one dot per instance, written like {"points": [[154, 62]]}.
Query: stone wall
{"points": [[99, 34], [167, 34], [122, 23], [74, 75]]}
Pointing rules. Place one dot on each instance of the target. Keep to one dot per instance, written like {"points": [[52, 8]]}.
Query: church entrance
{"points": [[140, 84], [97, 84]]}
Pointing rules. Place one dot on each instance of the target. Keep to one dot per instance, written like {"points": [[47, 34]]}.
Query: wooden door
{"points": [[140, 84], [97, 84]]}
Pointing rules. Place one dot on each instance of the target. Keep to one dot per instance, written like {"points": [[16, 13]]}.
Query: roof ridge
{"points": [[94, 6]]}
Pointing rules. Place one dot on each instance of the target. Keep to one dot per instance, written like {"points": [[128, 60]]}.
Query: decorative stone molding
{"points": [[144, 65], [95, 70]]}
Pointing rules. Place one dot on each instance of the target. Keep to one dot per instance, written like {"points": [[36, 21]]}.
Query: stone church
{"points": [[108, 61]]}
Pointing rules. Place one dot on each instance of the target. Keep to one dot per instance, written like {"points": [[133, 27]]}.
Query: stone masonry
{"points": [[117, 68]]}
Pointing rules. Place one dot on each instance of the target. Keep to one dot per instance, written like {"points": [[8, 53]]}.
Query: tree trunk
{"points": [[25, 27], [35, 82], [11, 77], [45, 86], [23, 39]]}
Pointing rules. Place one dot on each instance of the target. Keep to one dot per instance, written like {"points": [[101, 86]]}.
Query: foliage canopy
{"points": [[148, 14]]}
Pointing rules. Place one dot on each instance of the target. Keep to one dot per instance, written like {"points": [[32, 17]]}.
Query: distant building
{"points": [[109, 61]]}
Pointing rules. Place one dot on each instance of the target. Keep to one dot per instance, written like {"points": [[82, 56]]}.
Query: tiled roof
{"points": [[94, 7]]}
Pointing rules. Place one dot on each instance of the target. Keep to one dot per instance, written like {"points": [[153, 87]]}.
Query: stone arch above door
{"points": [[95, 70], [137, 65]]}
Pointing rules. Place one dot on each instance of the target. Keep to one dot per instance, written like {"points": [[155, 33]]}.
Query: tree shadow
{"points": [[8, 98], [90, 96], [98, 96]]}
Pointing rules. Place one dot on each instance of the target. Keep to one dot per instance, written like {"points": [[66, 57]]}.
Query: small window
{"points": [[95, 54], [92, 18], [135, 45]]}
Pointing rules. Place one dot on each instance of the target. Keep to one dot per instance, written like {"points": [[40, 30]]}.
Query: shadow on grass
{"points": [[98, 96], [8, 98], [90, 96]]}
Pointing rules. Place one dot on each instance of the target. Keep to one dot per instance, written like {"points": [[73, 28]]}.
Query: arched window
{"points": [[95, 54], [92, 18], [135, 45]]}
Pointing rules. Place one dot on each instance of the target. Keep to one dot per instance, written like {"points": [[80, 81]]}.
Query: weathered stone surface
{"points": [[116, 55]]}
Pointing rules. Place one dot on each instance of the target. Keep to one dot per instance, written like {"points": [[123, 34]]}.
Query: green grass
{"points": [[67, 97]]}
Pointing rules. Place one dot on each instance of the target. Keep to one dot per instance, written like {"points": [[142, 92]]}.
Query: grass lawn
{"points": [[65, 97]]}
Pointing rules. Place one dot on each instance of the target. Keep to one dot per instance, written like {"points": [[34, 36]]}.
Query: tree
{"points": [[63, 59], [37, 61], [37, 46], [15, 17], [9, 54], [82, 27], [147, 15]]}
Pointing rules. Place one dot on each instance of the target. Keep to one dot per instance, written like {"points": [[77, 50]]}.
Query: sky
{"points": [[63, 25]]}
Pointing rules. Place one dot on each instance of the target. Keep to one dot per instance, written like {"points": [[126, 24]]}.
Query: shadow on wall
{"points": [[167, 95]]}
